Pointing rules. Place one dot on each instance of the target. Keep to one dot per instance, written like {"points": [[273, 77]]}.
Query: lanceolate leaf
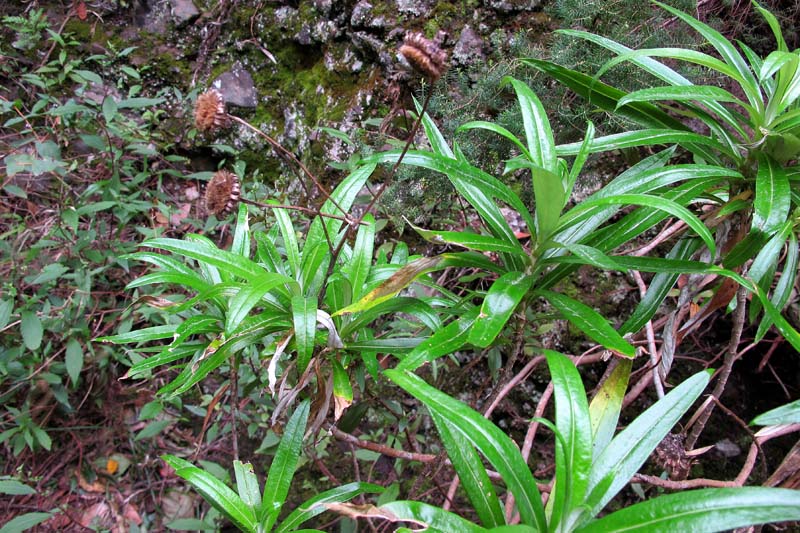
{"points": [[503, 297], [215, 492], [472, 241], [606, 405], [357, 269], [304, 316], [397, 282], [772, 201], [445, 341], [249, 296], [538, 133], [590, 322], [630, 449], [471, 473], [316, 505], [281, 471], [207, 253], [495, 445], [430, 518], [572, 422], [705, 510]]}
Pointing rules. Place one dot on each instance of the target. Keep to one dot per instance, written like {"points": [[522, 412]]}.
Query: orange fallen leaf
{"points": [[112, 466]]}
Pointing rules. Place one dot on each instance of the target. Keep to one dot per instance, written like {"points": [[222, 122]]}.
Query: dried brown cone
{"points": [[222, 193], [209, 112], [670, 455], [424, 55]]}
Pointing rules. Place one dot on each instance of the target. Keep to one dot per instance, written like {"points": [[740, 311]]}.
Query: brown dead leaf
{"points": [[97, 486], [354, 511]]}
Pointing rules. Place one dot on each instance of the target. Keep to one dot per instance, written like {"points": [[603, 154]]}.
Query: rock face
{"points": [[237, 87], [469, 48], [184, 11]]}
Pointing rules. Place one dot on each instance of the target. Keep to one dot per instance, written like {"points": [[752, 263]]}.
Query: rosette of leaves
{"points": [[752, 125], [591, 466], [287, 307], [561, 238]]}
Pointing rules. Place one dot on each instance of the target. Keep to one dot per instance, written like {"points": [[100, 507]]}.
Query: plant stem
{"points": [[730, 357]]}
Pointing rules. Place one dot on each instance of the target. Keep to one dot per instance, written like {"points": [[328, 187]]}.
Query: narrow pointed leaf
{"points": [[215, 492], [316, 504], [573, 424], [590, 322], [606, 405], [772, 200], [705, 510], [630, 449], [471, 473], [281, 471], [249, 296], [500, 302], [492, 442], [304, 316]]}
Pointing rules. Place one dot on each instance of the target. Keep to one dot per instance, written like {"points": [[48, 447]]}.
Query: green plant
{"points": [[757, 134], [28, 29], [272, 306], [592, 465], [562, 240], [251, 511]]}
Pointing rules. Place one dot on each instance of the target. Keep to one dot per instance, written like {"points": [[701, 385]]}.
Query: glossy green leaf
{"points": [[171, 278], [241, 234], [166, 356], [207, 253], [727, 51], [247, 484], [430, 518], [538, 133], [654, 202], [304, 316], [281, 471], [445, 341], [409, 306], [549, 194], [784, 287], [574, 454], [471, 473], [705, 510], [492, 442], [249, 296], [472, 241], [785, 414], [772, 199], [630, 448], [498, 305], [700, 93], [496, 128], [290, 246], [589, 322], [606, 405], [141, 335], [24, 522], [358, 267], [648, 137], [590, 256], [215, 492], [316, 504]]}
